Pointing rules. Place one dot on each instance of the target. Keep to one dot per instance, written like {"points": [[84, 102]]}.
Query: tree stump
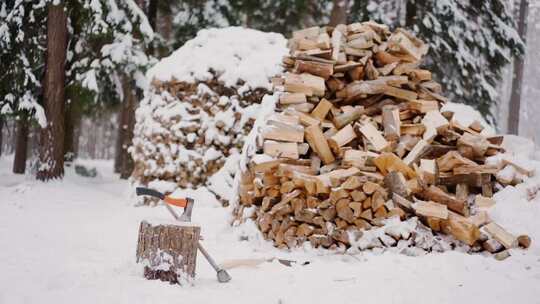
{"points": [[168, 251]]}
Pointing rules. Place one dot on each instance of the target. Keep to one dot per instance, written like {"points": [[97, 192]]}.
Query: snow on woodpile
{"points": [[359, 149], [202, 101]]}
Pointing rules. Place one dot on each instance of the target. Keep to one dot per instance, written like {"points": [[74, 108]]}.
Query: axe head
{"points": [[186, 203], [186, 216]]}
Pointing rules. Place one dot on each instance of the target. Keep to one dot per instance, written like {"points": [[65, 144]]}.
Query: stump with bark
{"points": [[168, 251]]}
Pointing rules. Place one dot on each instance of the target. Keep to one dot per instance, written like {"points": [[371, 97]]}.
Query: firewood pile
{"points": [[201, 103], [358, 153], [186, 131]]}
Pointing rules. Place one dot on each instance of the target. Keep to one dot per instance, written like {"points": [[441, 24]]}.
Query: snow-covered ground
{"points": [[73, 241]]}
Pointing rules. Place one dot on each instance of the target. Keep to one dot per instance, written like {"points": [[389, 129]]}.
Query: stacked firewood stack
{"points": [[186, 131], [358, 140]]}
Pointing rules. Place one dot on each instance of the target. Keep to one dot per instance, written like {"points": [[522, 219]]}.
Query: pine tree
{"points": [[107, 39], [22, 38], [470, 45], [51, 152], [282, 16], [470, 42]]}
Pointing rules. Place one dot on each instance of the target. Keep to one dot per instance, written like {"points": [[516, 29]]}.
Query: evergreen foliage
{"points": [[470, 42], [106, 38]]}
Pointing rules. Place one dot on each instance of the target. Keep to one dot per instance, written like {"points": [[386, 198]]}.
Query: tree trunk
{"points": [[52, 136], [169, 252], [72, 123], [128, 114], [515, 97], [410, 14], [21, 145], [152, 20], [119, 141], [339, 12], [1, 133]]}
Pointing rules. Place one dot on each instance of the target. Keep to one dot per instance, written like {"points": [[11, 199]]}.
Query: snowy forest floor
{"points": [[73, 241]]}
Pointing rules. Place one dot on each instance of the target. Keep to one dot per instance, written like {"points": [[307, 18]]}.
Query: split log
{"points": [[305, 83], [318, 143], [284, 132], [292, 98], [460, 228], [324, 70], [321, 110], [387, 162], [396, 183], [374, 137], [504, 237], [347, 117], [430, 209], [435, 194], [341, 138], [391, 122]]}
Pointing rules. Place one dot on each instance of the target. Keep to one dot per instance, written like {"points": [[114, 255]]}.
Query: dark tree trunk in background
{"points": [[119, 141], [152, 19], [72, 123], [339, 12], [1, 133], [51, 154], [167, 25], [515, 97], [410, 14], [128, 122], [21, 145]]}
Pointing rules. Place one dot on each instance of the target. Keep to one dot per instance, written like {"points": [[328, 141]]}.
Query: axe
{"points": [[187, 204]]}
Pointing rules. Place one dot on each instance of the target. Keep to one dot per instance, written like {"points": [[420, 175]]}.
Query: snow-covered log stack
{"points": [[201, 102], [361, 153]]}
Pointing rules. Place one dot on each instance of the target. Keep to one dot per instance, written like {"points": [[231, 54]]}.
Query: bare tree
{"points": [[51, 154], [517, 80], [339, 12]]}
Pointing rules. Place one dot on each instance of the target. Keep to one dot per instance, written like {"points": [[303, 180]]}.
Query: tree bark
{"points": [[410, 14], [339, 12], [515, 97], [72, 123], [21, 145], [1, 133], [169, 252], [128, 114], [52, 136], [152, 20], [119, 141]]}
